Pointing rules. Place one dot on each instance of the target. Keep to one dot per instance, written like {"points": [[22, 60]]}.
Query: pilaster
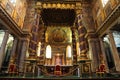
{"points": [[104, 55], [25, 44], [94, 50], [13, 52], [74, 45], [14, 48], [84, 61], [3, 45], [114, 51]]}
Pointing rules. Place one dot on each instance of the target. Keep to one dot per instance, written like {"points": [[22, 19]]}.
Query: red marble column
{"points": [[82, 40]]}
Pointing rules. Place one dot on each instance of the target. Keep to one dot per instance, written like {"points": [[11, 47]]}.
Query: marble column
{"points": [[74, 45], [114, 51], [83, 59], [43, 46], [3, 45], [13, 49], [94, 51], [103, 53], [24, 49], [82, 40]]}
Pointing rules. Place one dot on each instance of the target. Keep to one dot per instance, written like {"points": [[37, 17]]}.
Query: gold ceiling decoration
{"points": [[58, 5]]}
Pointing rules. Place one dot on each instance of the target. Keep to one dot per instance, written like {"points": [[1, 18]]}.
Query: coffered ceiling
{"points": [[58, 17]]}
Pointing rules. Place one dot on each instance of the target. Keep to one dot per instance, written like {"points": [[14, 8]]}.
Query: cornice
{"points": [[67, 1], [61, 4], [108, 21], [8, 23]]}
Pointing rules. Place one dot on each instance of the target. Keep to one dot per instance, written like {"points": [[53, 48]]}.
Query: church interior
{"points": [[59, 39]]}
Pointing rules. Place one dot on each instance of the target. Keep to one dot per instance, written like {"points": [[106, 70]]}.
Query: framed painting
{"points": [[86, 68], [9, 8]]}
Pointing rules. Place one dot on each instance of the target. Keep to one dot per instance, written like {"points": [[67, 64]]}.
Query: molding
{"points": [[61, 4], [58, 5], [91, 35], [8, 21], [109, 21], [34, 42], [9, 24]]}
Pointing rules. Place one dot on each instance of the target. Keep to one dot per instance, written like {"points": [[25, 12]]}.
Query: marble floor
{"points": [[43, 77]]}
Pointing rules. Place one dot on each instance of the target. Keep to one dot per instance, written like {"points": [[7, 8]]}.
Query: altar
{"points": [[58, 70]]}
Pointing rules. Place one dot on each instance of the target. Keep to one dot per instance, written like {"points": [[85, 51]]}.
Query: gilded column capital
{"points": [[38, 7], [38, 11], [90, 35], [25, 39], [78, 11], [78, 8]]}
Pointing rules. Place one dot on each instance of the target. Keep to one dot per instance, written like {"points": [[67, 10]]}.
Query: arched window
{"points": [[8, 49], [38, 50], [104, 2], [48, 51], [68, 52], [1, 36], [78, 48], [13, 2]]}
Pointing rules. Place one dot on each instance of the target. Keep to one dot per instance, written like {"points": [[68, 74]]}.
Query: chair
{"points": [[12, 69], [57, 70], [101, 70]]}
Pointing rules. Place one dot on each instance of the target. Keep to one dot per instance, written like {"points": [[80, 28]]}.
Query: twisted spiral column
{"points": [[82, 40]]}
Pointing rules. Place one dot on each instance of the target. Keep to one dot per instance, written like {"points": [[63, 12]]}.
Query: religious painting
{"points": [[29, 68], [113, 3], [86, 68], [21, 10], [96, 8], [9, 8], [17, 18], [108, 9], [99, 20], [102, 15], [58, 60]]}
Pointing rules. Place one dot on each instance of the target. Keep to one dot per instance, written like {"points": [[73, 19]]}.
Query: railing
{"points": [[48, 74]]}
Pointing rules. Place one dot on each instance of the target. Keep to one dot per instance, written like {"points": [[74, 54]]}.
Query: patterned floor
{"points": [[93, 76]]}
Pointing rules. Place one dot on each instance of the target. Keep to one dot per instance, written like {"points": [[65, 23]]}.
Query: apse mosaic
{"points": [[58, 34]]}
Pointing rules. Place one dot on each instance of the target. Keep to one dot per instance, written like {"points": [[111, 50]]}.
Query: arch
{"points": [[2, 33], [68, 51], [13, 2], [48, 51], [38, 50]]}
